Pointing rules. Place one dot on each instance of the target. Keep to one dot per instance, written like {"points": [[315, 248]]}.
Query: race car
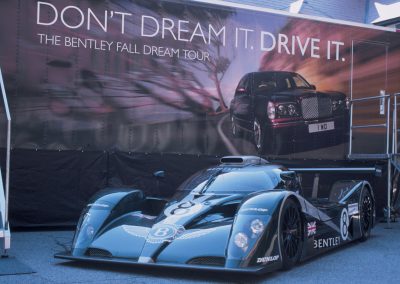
{"points": [[245, 215]]}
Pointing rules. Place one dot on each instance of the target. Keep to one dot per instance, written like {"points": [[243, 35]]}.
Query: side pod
{"points": [[102, 208]]}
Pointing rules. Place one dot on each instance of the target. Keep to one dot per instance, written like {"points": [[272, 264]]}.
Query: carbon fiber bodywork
{"points": [[217, 222]]}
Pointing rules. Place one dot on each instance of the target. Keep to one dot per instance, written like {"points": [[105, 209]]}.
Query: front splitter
{"points": [[253, 270]]}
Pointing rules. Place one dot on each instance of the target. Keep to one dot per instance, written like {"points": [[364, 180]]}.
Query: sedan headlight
{"points": [[271, 110], [287, 110], [338, 104]]}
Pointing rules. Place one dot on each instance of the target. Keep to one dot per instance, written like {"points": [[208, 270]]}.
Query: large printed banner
{"points": [[186, 77]]}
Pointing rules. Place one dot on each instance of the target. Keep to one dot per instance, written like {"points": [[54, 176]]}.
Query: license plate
{"points": [[319, 127]]}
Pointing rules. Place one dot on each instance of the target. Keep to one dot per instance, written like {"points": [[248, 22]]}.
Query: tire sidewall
{"points": [[236, 132], [287, 262], [262, 148], [365, 234]]}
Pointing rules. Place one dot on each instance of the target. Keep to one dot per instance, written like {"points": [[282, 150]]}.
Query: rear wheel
{"points": [[366, 214], [291, 234]]}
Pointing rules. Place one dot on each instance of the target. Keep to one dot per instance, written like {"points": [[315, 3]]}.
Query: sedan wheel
{"points": [[236, 132], [258, 135]]}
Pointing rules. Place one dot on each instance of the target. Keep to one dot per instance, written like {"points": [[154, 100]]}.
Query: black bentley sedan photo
{"points": [[278, 107]]}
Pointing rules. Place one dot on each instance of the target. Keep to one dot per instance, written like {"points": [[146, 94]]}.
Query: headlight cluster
{"points": [[242, 239], [287, 110], [338, 104], [281, 110]]}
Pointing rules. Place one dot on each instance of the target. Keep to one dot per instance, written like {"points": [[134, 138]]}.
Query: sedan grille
{"points": [[96, 252], [208, 260], [315, 107]]}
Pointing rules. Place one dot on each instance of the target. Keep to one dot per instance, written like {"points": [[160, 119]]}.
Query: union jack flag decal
{"points": [[311, 228]]}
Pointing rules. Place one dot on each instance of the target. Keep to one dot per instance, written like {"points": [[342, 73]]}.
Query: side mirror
{"points": [[159, 174], [291, 180], [288, 175], [313, 87]]}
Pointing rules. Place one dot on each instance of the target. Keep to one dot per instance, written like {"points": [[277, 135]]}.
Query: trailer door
{"points": [[370, 105]]}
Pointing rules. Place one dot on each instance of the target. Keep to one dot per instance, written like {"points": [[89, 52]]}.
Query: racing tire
{"points": [[290, 234], [236, 131], [366, 214]]}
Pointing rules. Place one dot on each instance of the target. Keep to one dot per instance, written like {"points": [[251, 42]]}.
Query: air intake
{"points": [[208, 260], [243, 160], [95, 252]]}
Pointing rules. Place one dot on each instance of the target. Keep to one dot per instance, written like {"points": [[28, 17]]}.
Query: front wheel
{"points": [[236, 131], [366, 214], [290, 234], [259, 137], [266, 144]]}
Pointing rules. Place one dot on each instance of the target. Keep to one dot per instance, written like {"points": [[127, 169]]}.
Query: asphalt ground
{"points": [[374, 261]]}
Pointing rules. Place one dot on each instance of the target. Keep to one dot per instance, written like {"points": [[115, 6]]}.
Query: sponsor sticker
{"points": [[326, 243], [311, 228], [98, 205], [267, 259], [353, 209], [196, 234], [140, 215], [261, 210], [344, 224]]}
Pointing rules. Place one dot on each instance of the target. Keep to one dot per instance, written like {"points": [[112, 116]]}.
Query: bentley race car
{"points": [[243, 215]]}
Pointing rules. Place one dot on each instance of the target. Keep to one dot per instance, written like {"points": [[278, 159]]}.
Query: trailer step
{"points": [[368, 156]]}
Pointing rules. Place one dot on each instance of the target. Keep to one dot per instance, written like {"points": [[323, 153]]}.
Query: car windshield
{"points": [[232, 181], [279, 81]]}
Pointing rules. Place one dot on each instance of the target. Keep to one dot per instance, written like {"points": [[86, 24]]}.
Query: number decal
{"points": [[183, 209], [344, 224]]}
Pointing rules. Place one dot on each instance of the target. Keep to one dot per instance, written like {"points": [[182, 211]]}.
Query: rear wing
{"points": [[373, 171], [361, 170]]}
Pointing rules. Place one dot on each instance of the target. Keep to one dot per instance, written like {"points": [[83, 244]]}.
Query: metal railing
{"points": [[8, 156], [377, 156], [395, 130], [385, 125]]}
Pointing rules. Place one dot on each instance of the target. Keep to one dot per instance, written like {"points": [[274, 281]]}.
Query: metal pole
{"points": [[351, 129], [395, 133], [351, 101], [388, 127], [7, 187], [389, 184], [394, 126], [389, 177]]}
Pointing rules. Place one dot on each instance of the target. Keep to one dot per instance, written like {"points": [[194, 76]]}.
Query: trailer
{"points": [[103, 94]]}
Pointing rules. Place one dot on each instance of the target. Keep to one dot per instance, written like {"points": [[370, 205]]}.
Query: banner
{"points": [[183, 77]]}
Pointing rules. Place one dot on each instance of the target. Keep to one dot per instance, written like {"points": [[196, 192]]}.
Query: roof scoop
{"points": [[243, 160]]}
